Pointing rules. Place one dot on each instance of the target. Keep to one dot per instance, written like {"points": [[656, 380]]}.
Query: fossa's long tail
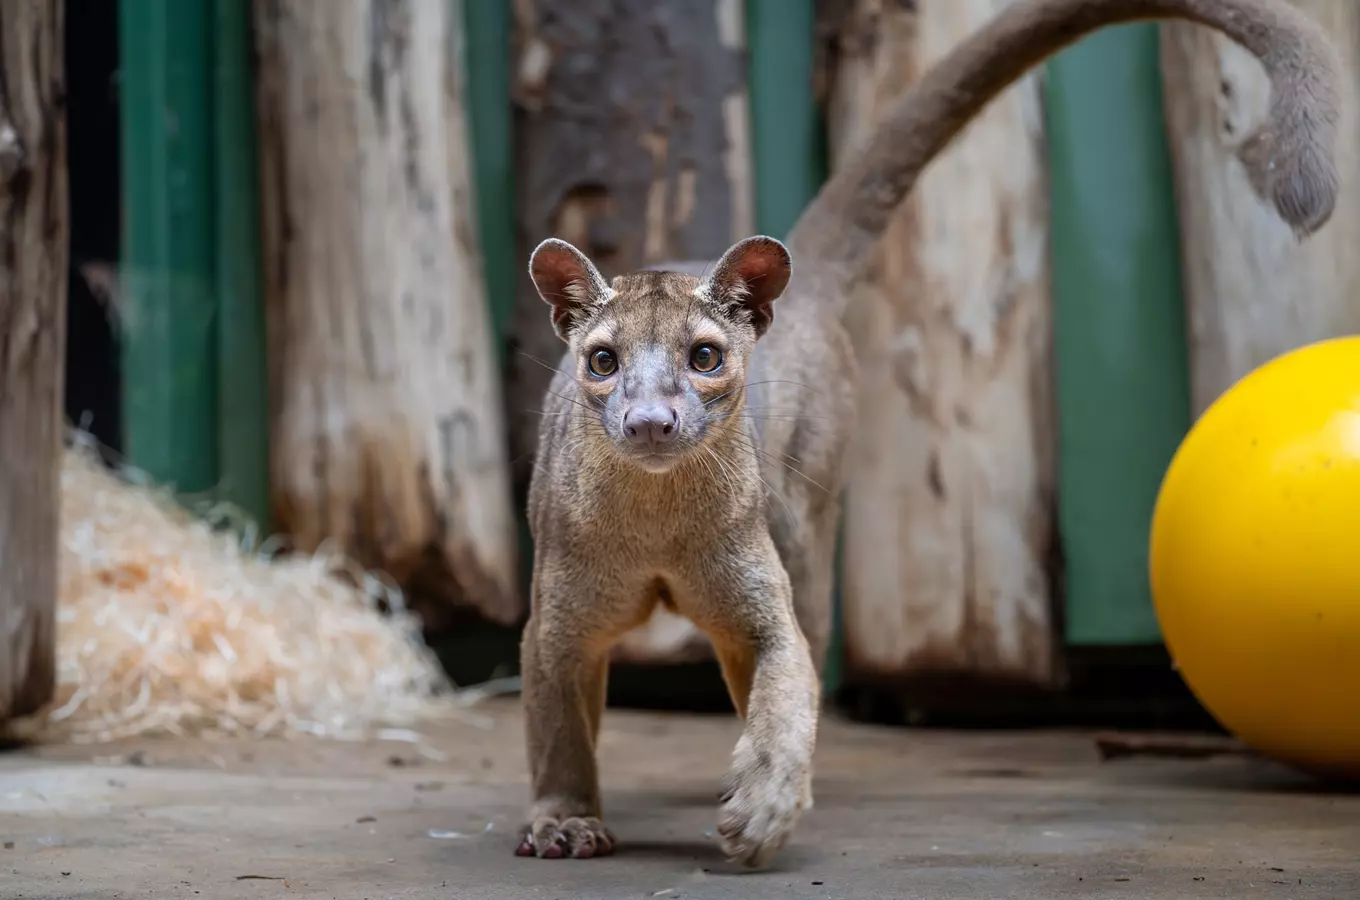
{"points": [[1289, 158]]}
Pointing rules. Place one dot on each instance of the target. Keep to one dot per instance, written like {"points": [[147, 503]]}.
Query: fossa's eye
{"points": [[706, 358], [602, 363]]}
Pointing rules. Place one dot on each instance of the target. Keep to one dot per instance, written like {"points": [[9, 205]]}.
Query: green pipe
{"points": [[1123, 383], [788, 145], [242, 381], [167, 297]]}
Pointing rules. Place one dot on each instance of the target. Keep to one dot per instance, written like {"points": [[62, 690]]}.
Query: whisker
{"points": [[778, 496], [720, 396], [751, 384], [786, 407], [760, 417], [532, 358], [792, 463], [759, 453], [730, 475], [713, 473], [780, 381], [788, 462], [574, 402], [765, 454]]}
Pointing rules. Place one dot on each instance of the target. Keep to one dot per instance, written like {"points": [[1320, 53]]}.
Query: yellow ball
{"points": [[1255, 558]]}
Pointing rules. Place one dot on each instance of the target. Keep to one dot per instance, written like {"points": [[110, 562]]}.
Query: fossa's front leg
{"points": [[769, 672], [564, 665]]}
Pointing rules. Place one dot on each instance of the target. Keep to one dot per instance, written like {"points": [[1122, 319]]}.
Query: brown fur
{"points": [[735, 526]]}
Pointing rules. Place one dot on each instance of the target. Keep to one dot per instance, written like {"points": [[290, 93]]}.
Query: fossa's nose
{"points": [[651, 424]]}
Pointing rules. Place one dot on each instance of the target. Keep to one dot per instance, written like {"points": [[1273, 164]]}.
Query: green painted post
{"points": [[167, 303], [1123, 385], [487, 63], [787, 137], [242, 379], [789, 149]]}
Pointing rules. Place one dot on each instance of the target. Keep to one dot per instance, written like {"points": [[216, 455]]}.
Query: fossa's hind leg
{"points": [[808, 553], [812, 579]]}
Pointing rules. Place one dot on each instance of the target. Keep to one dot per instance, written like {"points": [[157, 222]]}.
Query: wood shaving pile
{"points": [[169, 626]]}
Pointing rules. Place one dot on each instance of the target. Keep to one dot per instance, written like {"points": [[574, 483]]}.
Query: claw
{"points": [[569, 838]]}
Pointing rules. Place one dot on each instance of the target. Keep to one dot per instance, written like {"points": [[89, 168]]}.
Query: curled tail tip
{"points": [[1307, 199], [1293, 168], [1299, 161], [1304, 185]]}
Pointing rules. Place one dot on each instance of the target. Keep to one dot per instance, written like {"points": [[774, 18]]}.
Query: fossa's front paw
{"points": [[568, 838], [764, 795]]}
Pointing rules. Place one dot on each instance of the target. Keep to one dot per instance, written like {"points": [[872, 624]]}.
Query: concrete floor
{"points": [[900, 814]]}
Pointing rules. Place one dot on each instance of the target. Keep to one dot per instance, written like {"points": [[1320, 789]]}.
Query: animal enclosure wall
{"points": [[1022, 330]]}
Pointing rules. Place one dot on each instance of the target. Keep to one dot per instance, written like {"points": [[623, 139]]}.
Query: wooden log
{"points": [[632, 142], [387, 420], [32, 345], [1252, 290], [949, 518]]}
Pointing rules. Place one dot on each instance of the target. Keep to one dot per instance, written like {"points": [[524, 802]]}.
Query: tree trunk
{"points": [[632, 138], [949, 517], [32, 341], [387, 423], [1252, 290]]}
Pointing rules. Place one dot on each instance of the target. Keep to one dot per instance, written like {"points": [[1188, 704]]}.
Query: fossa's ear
{"points": [[568, 282], [750, 276]]}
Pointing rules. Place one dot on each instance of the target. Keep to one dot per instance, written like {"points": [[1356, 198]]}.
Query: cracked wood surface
{"points": [[33, 259], [387, 418], [949, 519]]}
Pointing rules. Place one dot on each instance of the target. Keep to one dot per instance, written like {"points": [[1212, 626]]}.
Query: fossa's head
{"points": [[661, 357]]}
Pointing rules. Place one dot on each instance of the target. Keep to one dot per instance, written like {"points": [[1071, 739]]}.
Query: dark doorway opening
{"points": [[93, 381]]}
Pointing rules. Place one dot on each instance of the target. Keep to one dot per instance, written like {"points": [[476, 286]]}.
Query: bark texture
{"points": [[33, 256], [387, 417], [949, 519], [632, 144], [1252, 290]]}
